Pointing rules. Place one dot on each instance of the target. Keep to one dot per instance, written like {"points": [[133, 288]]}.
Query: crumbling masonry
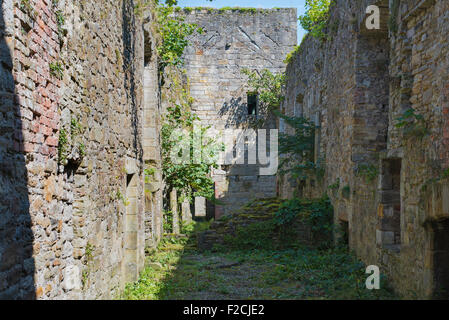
{"points": [[388, 184], [80, 120], [81, 104]]}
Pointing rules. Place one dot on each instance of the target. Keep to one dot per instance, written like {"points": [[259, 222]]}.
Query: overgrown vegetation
{"points": [[368, 171], [70, 145], [297, 49], [174, 32], [269, 87], [60, 20], [412, 124], [220, 10], [316, 17], [252, 270], [187, 154], [56, 69], [316, 214], [299, 149]]}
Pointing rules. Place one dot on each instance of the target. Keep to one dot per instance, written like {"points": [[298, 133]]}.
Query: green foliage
{"points": [[291, 55], [326, 274], [56, 69], [190, 178], [268, 85], [149, 174], [62, 146], [316, 17], [392, 23], [177, 271], [174, 33], [346, 192], [220, 10], [168, 221], [445, 174], [60, 20], [25, 5], [297, 49], [298, 148], [69, 139], [335, 185], [412, 124], [316, 213], [369, 172], [82, 149], [89, 251]]}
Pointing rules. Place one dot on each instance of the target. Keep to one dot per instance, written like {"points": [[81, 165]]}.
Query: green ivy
{"points": [[175, 33], [346, 191], [392, 21], [60, 20]]}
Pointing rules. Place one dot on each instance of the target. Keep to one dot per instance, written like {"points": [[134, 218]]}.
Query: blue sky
{"points": [[249, 3]]}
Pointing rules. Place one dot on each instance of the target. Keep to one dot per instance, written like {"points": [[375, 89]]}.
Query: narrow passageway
{"points": [[249, 265]]}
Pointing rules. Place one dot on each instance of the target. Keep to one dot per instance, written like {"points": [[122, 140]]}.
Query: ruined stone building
{"points": [[80, 121], [79, 124], [388, 182], [249, 38], [80, 117]]}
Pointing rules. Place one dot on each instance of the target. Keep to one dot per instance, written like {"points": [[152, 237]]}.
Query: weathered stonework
{"points": [[232, 40], [75, 226], [387, 186]]}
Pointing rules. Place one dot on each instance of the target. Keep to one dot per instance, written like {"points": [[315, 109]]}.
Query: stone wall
{"points": [[387, 183], [76, 133], [234, 39]]}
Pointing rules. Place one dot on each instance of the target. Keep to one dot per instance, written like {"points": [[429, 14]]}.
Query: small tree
{"points": [[316, 17]]}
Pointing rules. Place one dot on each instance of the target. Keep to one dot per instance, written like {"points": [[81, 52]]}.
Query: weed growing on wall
{"points": [[412, 124]]}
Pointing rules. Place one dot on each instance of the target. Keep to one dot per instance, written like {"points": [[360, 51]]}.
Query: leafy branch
{"points": [[316, 17]]}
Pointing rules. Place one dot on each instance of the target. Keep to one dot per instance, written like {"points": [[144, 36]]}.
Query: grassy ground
{"points": [[177, 270]]}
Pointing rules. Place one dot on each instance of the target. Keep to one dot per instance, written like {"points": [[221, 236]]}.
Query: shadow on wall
{"points": [[244, 180], [235, 112], [17, 266], [130, 69]]}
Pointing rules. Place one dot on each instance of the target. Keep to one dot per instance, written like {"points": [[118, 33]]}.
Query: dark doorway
{"points": [[344, 233], [391, 200], [441, 259], [252, 103]]}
